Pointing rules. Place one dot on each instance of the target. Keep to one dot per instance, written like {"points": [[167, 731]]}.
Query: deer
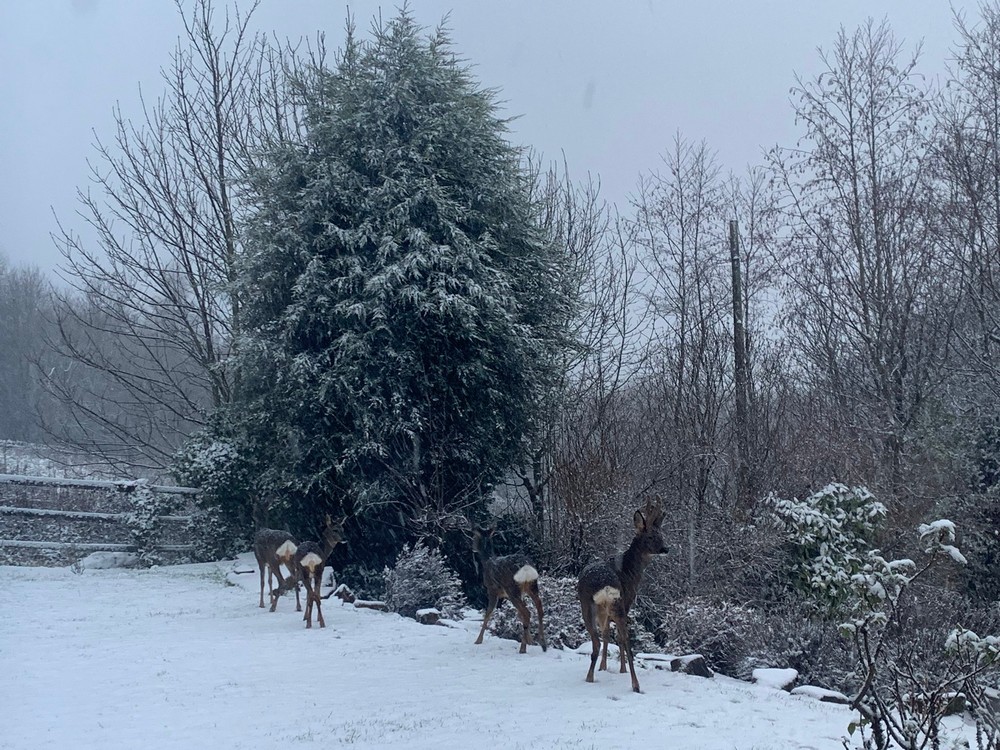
{"points": [[508, 577], [310, 561], [607, 589], [274, 548]]}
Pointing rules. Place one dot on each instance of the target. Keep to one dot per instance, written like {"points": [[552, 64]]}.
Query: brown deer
{"points": [[508, 577], [310, 562], [274, 548], [607, 589]]}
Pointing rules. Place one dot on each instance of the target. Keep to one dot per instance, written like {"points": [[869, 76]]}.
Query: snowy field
{"points": [[182, 657]]}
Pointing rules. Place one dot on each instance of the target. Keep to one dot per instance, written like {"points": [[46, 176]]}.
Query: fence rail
{"points": [[78, 514], [121, 485], [55, 521]]}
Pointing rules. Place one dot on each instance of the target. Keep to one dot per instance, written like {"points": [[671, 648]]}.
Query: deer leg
{"points": [[260, 565], [622, 639], [525, 617], [316, 591], [588, 622], [275, 593], [605, 623], [309, 601], [492, 605], [625, 647], [533, 593]]}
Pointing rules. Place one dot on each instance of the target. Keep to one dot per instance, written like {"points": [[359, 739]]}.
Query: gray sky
{"points": [[608, 83]]}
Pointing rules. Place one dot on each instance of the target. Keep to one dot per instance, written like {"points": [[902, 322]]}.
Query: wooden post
{"points": [[743, 486]]}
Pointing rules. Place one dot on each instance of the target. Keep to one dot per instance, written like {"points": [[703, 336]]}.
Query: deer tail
{"points": [[310, 561], [525, 577]]}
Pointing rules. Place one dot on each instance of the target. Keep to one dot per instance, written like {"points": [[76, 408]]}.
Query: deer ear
{"points": [[640, 522]]}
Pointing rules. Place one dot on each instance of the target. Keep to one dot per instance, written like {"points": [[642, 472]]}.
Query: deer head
{"points": [[647, 522]]}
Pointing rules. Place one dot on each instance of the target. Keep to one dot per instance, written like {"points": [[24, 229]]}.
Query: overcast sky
{"points": [[608, 83]]}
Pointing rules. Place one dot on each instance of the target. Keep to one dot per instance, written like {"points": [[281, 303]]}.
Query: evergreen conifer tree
{"points": [[400, 298]]}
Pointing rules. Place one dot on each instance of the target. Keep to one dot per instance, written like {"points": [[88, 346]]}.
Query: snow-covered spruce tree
{"points": [[421, 579], [399, 295]]}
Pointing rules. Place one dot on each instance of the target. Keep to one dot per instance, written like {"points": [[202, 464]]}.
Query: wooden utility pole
{"points": [[743, 488]]}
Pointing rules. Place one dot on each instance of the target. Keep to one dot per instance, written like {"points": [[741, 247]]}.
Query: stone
{"points": [[691, 664]]}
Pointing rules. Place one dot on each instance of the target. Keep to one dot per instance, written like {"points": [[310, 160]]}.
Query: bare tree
{"points": [[681, 229], [576, 459], [868, 293], [968, 159], [24, 298], [150, 312]]}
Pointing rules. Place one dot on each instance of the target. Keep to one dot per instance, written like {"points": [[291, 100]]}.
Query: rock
{"points": [[365, 604], [344, 593], [691, 664], [427, 616], [781, 679], [956, 704], [822, 694]]}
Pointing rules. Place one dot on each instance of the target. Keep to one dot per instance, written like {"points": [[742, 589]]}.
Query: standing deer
{"points": [[607, 589], [310, 562], [508, 577], [274, 548]]}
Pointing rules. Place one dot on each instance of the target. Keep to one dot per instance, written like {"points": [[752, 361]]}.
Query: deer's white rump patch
{"points": [[526, 574], [286, 550], [607, 595], [311, 560]]}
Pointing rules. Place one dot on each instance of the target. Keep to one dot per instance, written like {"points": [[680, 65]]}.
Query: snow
{"points": [[780, 679], [106, 560], [821, 694], [181, 656]]}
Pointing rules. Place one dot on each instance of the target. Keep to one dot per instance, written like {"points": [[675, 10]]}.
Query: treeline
{"points": [[316, 282]]}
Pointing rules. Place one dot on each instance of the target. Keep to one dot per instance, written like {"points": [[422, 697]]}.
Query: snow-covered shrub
{"points": [[980, 514], [561, 609], [795, 638], [365, 582], [907, 673], [213, 536], [829, 534], [725, 633], [563, 618], [421, 579], [225, 479], [143, 522]]}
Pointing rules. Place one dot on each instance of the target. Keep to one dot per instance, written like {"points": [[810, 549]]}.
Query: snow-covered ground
{"points": [[180, 657]]}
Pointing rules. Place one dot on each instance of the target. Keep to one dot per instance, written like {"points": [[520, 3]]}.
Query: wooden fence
{"points": [[52, 521]]}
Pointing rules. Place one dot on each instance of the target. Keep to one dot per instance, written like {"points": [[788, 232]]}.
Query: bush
{"points": [[420, 579], [213, 537], [563, 618], [143, 522], [725, 633], [830, 533], [563, 621]]}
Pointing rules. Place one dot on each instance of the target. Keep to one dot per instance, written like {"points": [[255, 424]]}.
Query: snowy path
{"points": [[174, 657]]}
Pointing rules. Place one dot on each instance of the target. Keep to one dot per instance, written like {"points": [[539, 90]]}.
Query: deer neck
{"points": [[328, 546], [633, 563], [484, 558]]}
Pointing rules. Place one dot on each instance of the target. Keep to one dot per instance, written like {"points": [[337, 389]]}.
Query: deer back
{"points": [[267, 541], [499, 572]]}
